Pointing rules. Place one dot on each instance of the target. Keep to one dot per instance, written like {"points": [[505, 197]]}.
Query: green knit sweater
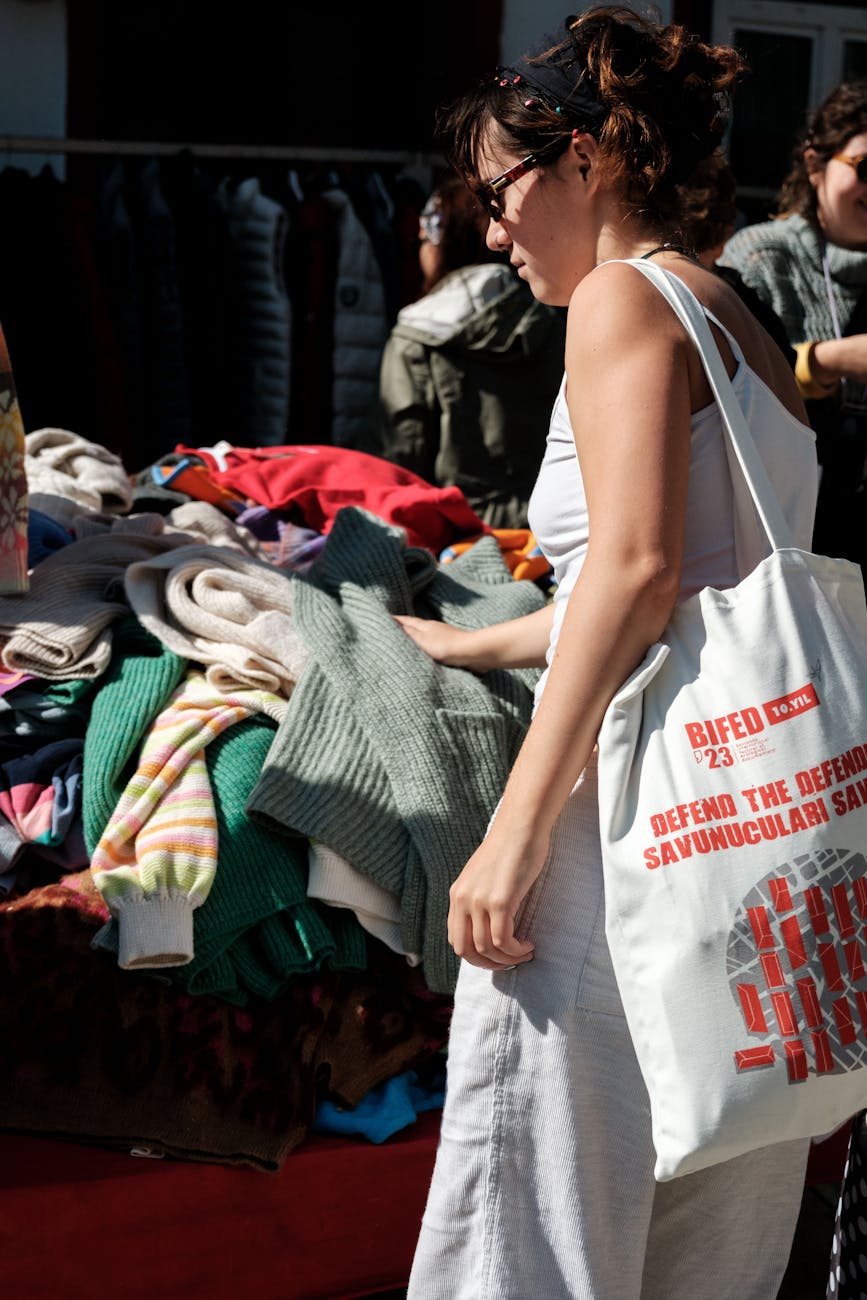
{"points": [[394, 761], [257, 929], [782, 261]]}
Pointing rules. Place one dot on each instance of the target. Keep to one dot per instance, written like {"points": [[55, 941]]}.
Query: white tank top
{"points": [[558, 507]]}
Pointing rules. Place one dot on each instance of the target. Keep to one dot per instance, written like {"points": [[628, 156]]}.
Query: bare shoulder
{"points": [[611, 286], [617, 288], [617, 302], [616, 305]]}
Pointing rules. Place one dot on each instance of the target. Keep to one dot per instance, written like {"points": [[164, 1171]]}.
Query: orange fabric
{"points": [[196, 481], [517, 545]]}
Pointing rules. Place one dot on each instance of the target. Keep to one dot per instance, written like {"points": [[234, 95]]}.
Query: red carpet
{"points": [[339, 1220]]}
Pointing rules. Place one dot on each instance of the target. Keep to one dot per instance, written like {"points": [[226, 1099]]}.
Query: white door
{"points": [[797, 53]]}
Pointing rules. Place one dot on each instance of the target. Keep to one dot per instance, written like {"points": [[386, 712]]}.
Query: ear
{"points": [[585, 151], [815, 166]]}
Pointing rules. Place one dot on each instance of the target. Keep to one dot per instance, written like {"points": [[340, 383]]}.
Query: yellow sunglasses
{"points": [[858, 162]]}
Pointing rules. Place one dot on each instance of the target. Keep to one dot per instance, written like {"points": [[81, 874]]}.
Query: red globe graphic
{"points": [[797, 965]]}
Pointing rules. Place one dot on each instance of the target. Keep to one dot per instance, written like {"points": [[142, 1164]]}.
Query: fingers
{"points": [[407, 622], [487, 940], [418, 630]]}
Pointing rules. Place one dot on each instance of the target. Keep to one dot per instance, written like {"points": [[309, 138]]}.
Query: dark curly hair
{"points": [[665, 94], [709, 204], [841, 115]]}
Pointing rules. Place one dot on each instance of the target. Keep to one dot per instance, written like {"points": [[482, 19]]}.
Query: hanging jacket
{"points": [[467, 383], [359, 329], [257, 385]]}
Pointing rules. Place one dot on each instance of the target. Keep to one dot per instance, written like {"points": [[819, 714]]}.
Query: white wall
{"points": [[525, 21], [33, 82]]}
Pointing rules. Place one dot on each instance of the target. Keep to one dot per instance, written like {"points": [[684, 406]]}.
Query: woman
{"points": [[544, 1185], [470, 370], [810, 265]]}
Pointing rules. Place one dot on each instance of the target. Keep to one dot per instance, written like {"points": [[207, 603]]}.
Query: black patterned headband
{"points": [[560, 81]]}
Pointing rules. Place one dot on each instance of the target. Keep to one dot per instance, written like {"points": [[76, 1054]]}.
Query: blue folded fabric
{"points": [[44, 536], [384, 1110]]}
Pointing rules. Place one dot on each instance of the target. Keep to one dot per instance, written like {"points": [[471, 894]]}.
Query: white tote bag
{"points": [[733, 813]]}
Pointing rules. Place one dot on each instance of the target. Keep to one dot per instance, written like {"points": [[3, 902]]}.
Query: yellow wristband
{"points": [[809, 386]]}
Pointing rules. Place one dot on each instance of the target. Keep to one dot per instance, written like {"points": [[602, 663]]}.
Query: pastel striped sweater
{"points": [[156, 859]]}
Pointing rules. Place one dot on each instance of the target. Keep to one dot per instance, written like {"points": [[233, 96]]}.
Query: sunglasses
{"points": [[859, 163], [488, 192]]}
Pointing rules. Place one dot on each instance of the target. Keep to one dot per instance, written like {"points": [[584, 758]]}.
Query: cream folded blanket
{"points": [[225, 610], [66, 471]]}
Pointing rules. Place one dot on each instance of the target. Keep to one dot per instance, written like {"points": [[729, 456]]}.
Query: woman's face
{"points": [[842, 198], [546, 225]]}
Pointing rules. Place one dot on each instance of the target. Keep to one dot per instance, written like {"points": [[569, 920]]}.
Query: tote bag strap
{"points": [[739, 439]]}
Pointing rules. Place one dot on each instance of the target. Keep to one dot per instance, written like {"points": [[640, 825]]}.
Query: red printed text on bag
{"points": [[741, 723]]}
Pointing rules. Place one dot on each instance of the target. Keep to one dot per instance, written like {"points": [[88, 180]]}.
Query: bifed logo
{"points": [[712, 738]]}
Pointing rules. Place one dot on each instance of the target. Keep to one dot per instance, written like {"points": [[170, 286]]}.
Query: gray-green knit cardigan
{"points": [[782, 261], [394, 761]]}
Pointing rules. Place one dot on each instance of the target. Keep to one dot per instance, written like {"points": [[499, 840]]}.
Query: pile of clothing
{"points": [[234, 793]]}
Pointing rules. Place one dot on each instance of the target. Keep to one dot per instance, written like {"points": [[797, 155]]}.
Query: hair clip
{"points": [[528, 103], [558, 109], [517, 79]]}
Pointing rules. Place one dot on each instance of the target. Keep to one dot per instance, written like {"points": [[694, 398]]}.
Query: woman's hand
{"points": [[517, 643], [485, 898], [444, 643]]}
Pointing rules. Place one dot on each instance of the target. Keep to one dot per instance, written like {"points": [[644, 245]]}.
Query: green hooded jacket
{"points": [[468, 379]]}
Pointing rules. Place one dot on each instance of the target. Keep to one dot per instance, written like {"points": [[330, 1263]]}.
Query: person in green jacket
{"points": [[471, 369]]}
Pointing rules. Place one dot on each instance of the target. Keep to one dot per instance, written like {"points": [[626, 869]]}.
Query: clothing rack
{"points": [[161, 148], [151, 265]]}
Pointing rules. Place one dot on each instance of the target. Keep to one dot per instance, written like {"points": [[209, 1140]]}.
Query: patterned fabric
{"points": [[13, 484], [848, 1277], [521, 552], [119, 1058]]}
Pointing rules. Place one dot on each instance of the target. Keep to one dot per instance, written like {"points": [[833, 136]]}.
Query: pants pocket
{"points": [[597, 986]]}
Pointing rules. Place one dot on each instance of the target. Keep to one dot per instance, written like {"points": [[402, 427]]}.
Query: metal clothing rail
{"points": [[160, 148]]}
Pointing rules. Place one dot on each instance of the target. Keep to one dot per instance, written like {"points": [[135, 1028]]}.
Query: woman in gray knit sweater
{"points": [[810, 265]]}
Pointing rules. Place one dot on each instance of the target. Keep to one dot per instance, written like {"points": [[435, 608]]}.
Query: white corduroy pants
{"points": [[543, 1187]]}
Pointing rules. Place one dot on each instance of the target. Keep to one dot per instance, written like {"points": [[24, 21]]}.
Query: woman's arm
{"points": [[830, 360], [628, 364], [518, 643]]}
